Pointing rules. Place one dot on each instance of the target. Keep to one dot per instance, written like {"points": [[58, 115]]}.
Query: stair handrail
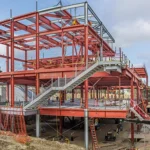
{"points": [[57, 82], [141, 112]]}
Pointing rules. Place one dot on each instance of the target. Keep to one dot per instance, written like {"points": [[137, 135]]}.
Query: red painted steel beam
{"points": [[17, 59], [80, 112], [24, 16], [32, 31]]}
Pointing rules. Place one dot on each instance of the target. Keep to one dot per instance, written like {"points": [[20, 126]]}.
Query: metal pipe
{"points": [[86, 13], [38, 125], [86, 130]]}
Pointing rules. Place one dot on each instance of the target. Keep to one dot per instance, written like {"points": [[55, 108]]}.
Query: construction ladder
{"points": [[94, 137]]}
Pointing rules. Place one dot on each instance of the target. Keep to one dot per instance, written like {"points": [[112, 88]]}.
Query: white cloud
{"points": [[128, 33]]}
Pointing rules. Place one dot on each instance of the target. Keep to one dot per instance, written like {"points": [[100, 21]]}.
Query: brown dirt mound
{"points": [[8, 143]]}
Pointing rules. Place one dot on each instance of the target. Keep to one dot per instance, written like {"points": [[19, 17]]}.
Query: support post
{"points": [[86, 93], [132, 114], [12, 91], [86, 13], [119, 93], [38, 125], [37, 53], [12, 62], [96, 94], [63, 49], [147, 87], [82, 93], [86, 130], [107, 92], [37, 84], [115, 94], [26, 93], [72, 95], [101, 45], [91, 93], [26, 87], [86, 32], [7, 69], [60, 126], [137, 92]]}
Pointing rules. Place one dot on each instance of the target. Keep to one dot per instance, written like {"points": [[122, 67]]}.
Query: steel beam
{"points": [[59, 8], [78, 112]]}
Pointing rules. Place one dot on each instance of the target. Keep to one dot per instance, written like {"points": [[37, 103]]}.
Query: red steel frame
{"points": [[86, 38]]}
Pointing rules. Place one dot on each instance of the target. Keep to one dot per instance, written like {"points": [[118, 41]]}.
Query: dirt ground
{"points": [[8, 143], [49, 133], [122, 139]]}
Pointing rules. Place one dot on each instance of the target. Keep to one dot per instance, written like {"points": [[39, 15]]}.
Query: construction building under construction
{"points": [[79, 74]]}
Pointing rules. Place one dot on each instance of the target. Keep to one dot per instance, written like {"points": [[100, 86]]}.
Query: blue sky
{"points": [[128, 21]]}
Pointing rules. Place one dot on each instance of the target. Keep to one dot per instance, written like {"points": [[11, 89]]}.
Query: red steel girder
{"points": [[80, 112]]}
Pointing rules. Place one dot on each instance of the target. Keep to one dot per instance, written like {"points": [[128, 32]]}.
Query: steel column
{"points": [[119, 92], [132, 114], [91, 93], [37, 84], [12, 91], [37, 53], [137, 96], [101, 44], [107, 92], [147, 87], [82, 93], [38, 125], [26, 87], [86, 129], [72, 95], [115, 94], [96, 94], [86, 93], [63, 50], [86, 13], [119, 87], [7, 69], [12, 63], [86, 46], [60, 126], [26, 93]]}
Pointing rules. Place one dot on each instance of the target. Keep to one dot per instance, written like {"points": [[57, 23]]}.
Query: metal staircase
{"points": [[69, 84], [139, 113]]}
